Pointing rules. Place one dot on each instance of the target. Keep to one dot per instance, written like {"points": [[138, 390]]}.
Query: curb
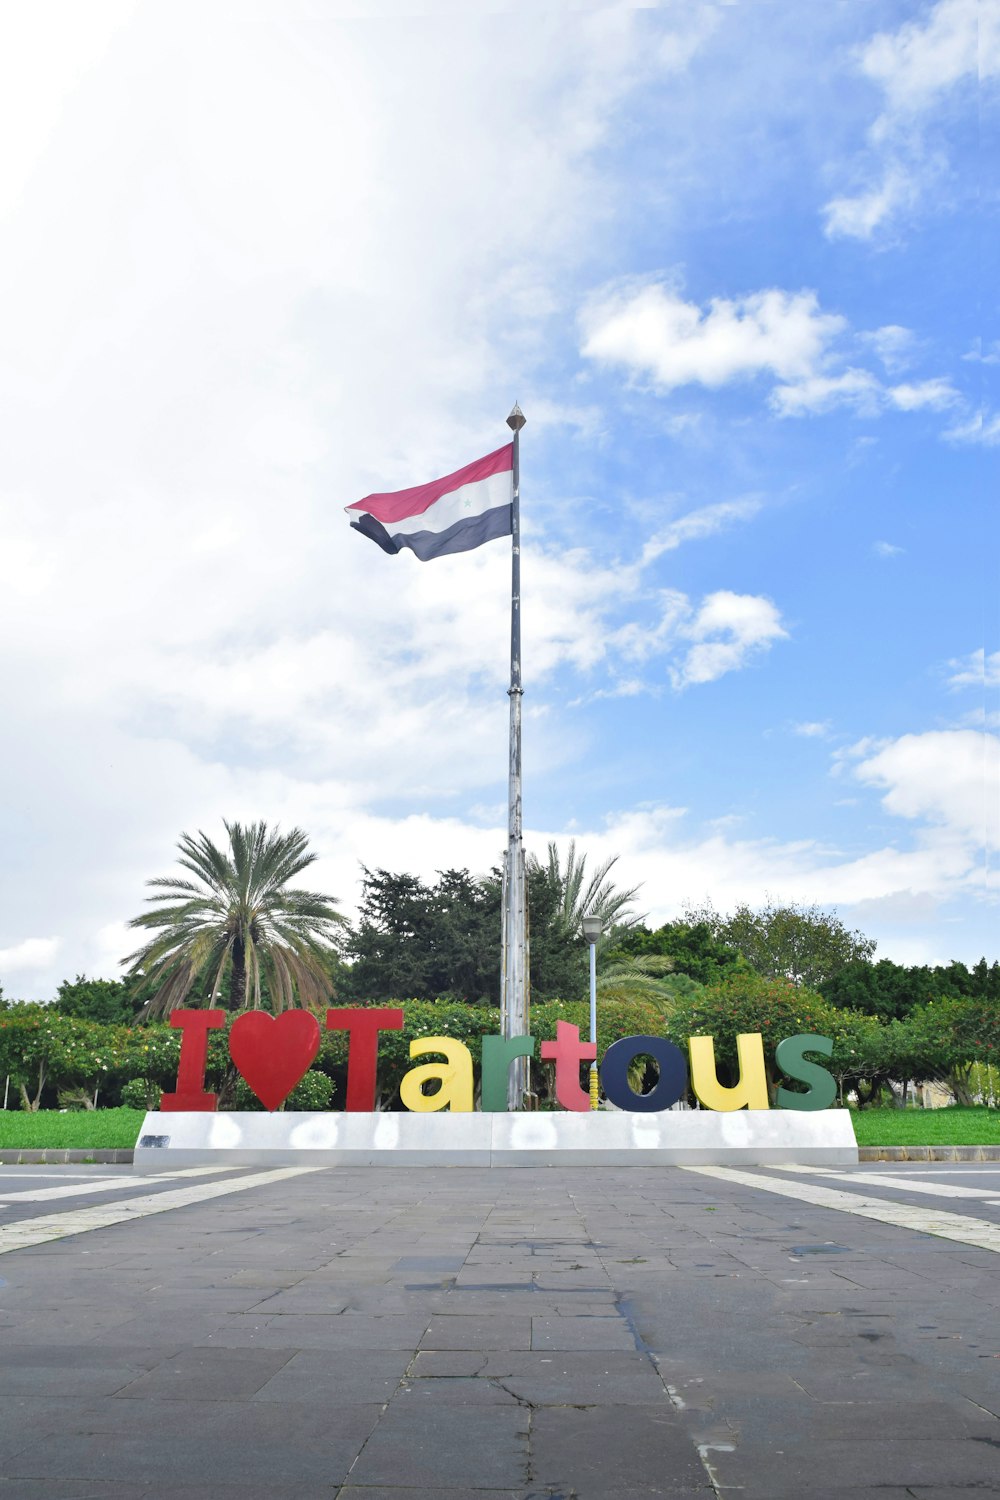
{"points": [[49, 1157], [929, 1153], [865, 1153]]}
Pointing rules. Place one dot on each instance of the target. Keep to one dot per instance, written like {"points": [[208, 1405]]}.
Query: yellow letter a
{"points": [[752, 1087], [455, 1075]]}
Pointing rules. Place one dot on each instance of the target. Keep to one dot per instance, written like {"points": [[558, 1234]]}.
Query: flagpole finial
{"points": [[517, 419]]}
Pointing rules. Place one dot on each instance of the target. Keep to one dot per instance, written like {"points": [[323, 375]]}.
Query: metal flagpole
{"points": [[514, 1005]]}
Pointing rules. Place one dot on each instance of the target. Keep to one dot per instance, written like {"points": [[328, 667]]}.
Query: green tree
{"points": [[443, 941], [982, 981], [947, 1037], [239, 920], [44, 1052], [892, 991], [884, 989], [866, 1054], [986, 980], [426, 941], [799, 943], [692, 948], [112, 1001]]}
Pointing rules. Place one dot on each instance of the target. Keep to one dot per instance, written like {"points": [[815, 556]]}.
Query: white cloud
{"points": [[960, 39], [857, 389], [933, 395], [983, 428], [727, 631], [652, 331], [699, 523], [947, 778], [861, 391], [887, 549], [858, 216], [956, 42], [984, 354], [813, 729], [28, 956], [976, 670], [700, 642], [893, 344], [648, 328]]}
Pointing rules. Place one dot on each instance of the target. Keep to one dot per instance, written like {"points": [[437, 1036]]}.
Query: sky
{"points": [[736, 262]]}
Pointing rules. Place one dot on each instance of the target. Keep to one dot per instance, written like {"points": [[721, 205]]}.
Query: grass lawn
{"points": [[927, 1127], [77, 1130]]}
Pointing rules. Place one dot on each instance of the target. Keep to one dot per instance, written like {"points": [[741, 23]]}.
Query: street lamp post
{"points": [[593, 927]]}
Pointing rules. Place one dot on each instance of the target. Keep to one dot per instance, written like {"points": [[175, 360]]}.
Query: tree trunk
{"points": [[34, 1104], [238, 977], [227, 1087], [959, 1083]]}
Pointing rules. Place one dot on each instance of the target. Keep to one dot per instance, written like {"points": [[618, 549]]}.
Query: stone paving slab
{"points": [[593, 1453], [464, 1332], [408, 1492], [369, 1377], [213, 1443], [446, 1446], [103, 1489], [862, 1465], [549, 1334]]}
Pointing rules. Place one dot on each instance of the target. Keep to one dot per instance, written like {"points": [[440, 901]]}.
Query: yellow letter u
{"points": [[750, 1092]]}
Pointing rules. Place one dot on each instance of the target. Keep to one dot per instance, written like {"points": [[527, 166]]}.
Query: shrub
{"points": [[141, 1093], [312, 1092], [744, 1004]]}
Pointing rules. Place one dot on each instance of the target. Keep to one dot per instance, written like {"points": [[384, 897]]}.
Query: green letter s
{"points": [[789, 1055]]}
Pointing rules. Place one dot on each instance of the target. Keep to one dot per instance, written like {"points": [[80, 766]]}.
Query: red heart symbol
{"points": [[274, 1052]]}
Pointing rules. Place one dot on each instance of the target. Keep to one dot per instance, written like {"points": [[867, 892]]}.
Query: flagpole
{"points": [[514, 1005]]}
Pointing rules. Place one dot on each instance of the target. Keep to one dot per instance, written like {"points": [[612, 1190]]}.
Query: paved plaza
{"points": [[534, 1334]]}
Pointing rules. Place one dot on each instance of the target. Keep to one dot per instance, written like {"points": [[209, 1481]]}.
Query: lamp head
{"points": [[593, 927]]}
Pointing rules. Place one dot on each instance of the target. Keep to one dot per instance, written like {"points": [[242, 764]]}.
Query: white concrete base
{"points": [[606, 1138]]}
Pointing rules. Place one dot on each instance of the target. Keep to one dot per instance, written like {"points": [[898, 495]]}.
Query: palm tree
{"points": [[578, 896], [238, 918], [630, 978], [649, 977]]}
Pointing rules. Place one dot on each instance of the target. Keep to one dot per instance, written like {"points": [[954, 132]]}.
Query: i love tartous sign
{"points": [[273, 1053]]}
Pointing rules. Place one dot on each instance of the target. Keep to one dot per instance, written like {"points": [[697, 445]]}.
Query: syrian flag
{"points": [[454, 514]]}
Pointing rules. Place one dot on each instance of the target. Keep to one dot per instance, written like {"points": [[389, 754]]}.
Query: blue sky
{"points": [[733, 262]]}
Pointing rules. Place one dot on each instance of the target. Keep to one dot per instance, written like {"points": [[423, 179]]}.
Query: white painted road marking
{"points": [[940, 1222], [29, 1232], [101, 1185], [959, 1168], [883, 1179]]}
